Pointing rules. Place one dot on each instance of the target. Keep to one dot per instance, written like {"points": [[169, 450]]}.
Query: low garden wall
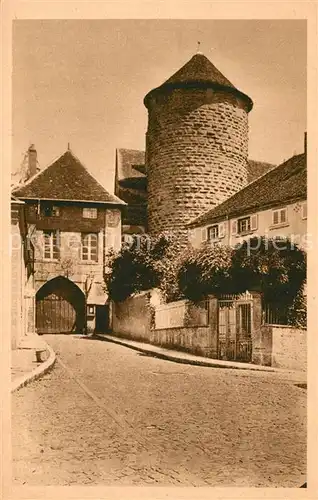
{"points": [[180, 325], [281, 347], [289, 348], [132, 317], [193, 328]]}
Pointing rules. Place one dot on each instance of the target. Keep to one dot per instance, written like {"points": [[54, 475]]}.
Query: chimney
{"points": [[32, 162], [305, 143]]}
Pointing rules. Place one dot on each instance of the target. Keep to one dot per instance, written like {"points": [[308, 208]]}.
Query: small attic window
{"points": [[89, 213]]}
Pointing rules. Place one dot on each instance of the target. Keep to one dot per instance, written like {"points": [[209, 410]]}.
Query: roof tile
{"points": [[284, 183], [65, 179]]}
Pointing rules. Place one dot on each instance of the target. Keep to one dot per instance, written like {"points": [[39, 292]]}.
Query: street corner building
{"points": [[274, 205], [75, 222]]}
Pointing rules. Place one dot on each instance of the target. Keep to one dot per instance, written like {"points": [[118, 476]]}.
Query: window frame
{"points": [[248, 229], [51, 211], [304, 209], [209, 230], [279, 211], [90, 209], [89, 247], [53, 247]]}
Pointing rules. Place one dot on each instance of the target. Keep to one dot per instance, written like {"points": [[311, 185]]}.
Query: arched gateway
{"points": [[60, 307]]}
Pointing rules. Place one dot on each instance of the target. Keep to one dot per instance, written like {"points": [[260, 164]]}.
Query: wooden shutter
{"points": [[222, 230], [204, 234], [254, 221], [283, 215], [275, 217], [234, 227]]}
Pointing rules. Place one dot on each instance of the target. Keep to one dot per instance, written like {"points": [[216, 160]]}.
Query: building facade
{"points": [[77, 222], [22, 275], [275, 206]]}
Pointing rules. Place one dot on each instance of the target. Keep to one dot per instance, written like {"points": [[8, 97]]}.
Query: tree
{"points": [[277, 268], [205, 271], [135, 267]]}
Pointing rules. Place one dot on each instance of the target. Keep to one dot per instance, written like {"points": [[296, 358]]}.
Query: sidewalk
{"points": [[24, 365], [191, 359], [23, 361]]}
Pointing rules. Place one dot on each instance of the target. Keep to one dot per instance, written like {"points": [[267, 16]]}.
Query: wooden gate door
{"points": [[235, 328], [54, 314], [60, 307]]}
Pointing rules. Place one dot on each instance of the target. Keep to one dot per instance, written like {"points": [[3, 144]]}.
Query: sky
{"points": [[83, 82]]}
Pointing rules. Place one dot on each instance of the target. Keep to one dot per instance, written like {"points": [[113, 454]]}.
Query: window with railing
{"points": [[275, 315]]}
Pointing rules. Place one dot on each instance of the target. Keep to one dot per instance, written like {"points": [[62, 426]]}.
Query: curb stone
{"points": [[184, 360], [38, 372]]}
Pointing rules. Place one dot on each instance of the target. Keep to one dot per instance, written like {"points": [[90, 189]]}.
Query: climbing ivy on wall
{"points": [[277, 269]]}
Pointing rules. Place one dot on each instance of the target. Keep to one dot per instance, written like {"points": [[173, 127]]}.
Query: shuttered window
{"points": [[213, 232], [244, 225], [279, 216]]}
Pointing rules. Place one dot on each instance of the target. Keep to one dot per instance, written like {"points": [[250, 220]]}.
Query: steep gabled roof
{"points": [[65, 179], [283, 184], [256, 169], [128, 163], [199, 72]]}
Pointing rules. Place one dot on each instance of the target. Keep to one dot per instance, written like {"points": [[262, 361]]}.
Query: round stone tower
{"points": [[196, 144]]}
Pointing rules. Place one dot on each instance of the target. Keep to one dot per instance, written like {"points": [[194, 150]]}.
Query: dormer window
{"points": [[89, 213]]}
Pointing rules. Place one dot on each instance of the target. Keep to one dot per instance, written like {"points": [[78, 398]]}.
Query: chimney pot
{"points": [[32, 162]]}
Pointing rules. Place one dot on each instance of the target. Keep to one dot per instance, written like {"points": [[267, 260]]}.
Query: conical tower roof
{"points": [[199, 69], [199, 72]]}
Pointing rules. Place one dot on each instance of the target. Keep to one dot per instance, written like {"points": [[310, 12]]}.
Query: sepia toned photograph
{"points": [[158, 253]]}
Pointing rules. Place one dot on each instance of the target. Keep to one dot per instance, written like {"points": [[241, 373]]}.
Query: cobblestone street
{"points": [[109, 415]]}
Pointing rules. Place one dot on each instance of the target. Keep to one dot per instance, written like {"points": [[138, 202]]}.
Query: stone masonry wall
{"points": [[289, 348], [196, 154], [70, 264], [16, 287], [135, 318]]}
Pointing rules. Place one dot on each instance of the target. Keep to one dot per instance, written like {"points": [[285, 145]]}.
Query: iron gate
{"points": [[235, 319]]}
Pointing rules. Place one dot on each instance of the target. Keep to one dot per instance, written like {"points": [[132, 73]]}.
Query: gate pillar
{"points": [[256, 327], [213, 326]]}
